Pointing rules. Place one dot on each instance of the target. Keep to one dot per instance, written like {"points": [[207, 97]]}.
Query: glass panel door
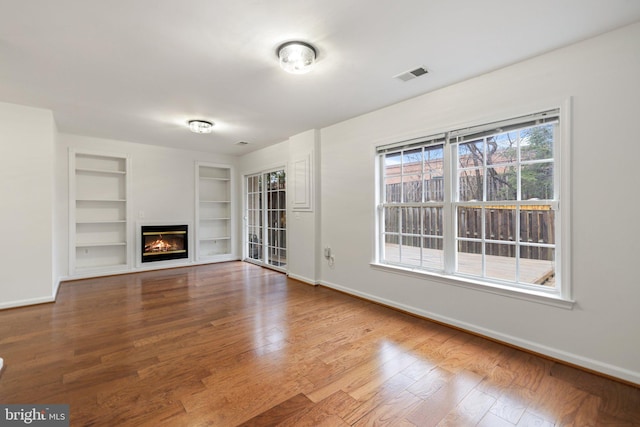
{"points": [[255, 232], [276, 207], [266, 233]]}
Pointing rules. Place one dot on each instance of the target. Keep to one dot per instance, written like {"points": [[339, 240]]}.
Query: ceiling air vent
{"points": [[412, 74], [242, 143]]}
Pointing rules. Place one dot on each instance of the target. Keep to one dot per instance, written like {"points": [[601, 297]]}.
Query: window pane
{"points": [[469, 223], [412, 162], [500, 224], [469, 262], [410, 251], [499, 264], [392, 220], [538, 271], [433, 174], [502, 183], [536, 143], [392, 164], [432, 253], [469, 256], [412, 188], [470, 185], [411, 221], [537, 181], [392, 188], [391, 248], [273, 219], [255, 251], [277, 256], [471, 154], [502, 148], [433, 189], [537, 225], [432, 221]]}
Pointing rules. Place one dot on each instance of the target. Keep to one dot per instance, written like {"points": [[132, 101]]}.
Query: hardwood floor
{"points": [[234, 344]]}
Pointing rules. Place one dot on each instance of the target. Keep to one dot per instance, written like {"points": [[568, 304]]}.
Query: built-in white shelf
{"points": [[213, 212], [102, 200], [102, 222], [94, 244], [114, 172], [98, 213]]}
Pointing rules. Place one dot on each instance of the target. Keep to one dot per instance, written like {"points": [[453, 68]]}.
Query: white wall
{"points": [[303, 225], [26, 213], [162, 184], [602, 331]]}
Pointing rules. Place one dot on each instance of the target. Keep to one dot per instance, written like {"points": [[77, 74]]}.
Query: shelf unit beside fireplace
{"points": [[98, 212], [213, 212]]}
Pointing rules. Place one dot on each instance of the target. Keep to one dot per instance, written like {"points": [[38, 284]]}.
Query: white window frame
{"points": [[560, 295]]}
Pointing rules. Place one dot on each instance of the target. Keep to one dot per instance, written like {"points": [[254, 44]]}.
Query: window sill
{"points": [[518, 293]]}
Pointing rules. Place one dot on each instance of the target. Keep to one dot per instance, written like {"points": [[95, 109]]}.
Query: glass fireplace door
{"points": [[266, 210]]}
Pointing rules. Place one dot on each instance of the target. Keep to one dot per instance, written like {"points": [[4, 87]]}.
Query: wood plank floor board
{"points": [[491, 420], [512, 403], [470, 411], [391, 411], [294, 407], [235, 344], [431, 382], [386, 392], [436, 407]]}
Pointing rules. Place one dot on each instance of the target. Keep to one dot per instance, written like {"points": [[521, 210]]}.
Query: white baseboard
{"points": [[25, 302], [571, 358], [303, 279]]}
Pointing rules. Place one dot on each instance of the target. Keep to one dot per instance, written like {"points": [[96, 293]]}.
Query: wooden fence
{"points": [[536, 226]]}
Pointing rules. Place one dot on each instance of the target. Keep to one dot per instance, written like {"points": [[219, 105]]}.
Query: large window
{"points": [[480, 203]]}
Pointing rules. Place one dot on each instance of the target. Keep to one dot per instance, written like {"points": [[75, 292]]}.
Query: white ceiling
{"points": [[137, 70]]}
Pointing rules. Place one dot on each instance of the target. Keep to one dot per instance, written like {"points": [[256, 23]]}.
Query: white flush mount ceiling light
{"points": [[200, 126], [296, 57]]}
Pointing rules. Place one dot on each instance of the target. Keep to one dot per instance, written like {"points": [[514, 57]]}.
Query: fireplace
{"points": [[164, 242]]}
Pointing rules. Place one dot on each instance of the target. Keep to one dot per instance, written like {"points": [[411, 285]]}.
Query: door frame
{"points": [[263, 261]]}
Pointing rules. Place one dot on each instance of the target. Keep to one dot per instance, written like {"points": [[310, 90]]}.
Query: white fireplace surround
{"points": [[163, 264]]}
